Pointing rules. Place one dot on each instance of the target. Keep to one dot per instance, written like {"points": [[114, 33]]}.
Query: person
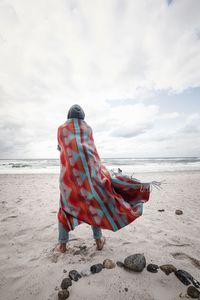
{"points": [[63, 237], [89, 193]]}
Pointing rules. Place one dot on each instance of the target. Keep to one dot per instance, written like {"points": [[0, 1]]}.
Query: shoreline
{"points": [[136, 173]]}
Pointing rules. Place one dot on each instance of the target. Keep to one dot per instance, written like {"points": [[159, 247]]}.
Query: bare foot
{"points": [[100, 243], [60, 248]]}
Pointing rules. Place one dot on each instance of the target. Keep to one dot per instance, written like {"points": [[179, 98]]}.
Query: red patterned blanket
{"points": [[88, 193]]}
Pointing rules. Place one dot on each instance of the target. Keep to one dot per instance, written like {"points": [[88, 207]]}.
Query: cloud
{"points": [[10, 142], [129, 132], [84, 48], [133, 120], [167, 116], [107, 56], [192, 124]]}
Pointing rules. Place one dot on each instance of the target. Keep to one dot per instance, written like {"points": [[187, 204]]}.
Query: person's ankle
{"points": [[62, 247], [100, 243]]}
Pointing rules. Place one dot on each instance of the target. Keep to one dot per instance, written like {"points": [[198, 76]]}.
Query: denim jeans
{"points": [[63, 236]]}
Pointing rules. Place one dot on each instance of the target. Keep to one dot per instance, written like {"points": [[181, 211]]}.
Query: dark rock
{"points": [[161, 210], [126, 289], [152, 268], [190, 278], [168, 269], [96, 268], [178, 212], [64, 271], [66, 282], [108, 264], [120, 264], [183, 276], [74, 275], [193, 292], [62, 295], [135, 262], [195, 283]]}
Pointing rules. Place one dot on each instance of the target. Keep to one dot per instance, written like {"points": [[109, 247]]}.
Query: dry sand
{"points": [[29, 269]]}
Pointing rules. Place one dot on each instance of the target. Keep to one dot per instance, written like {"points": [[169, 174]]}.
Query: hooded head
{"points": [[76, 111]]}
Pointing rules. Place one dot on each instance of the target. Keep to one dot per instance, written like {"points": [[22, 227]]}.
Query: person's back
{"points": [[66, 133], [88, 193]]}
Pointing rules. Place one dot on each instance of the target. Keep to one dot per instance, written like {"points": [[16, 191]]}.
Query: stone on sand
{"points": [[96, 268], [152, 268], [168, 269], [66, 282], [62, 295], [120, 264], [108, 264], [178, 212], [135, 262], [74, 275], [193, 292]]}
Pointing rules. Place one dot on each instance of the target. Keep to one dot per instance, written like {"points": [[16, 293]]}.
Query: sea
{"points": [[127, 165]]}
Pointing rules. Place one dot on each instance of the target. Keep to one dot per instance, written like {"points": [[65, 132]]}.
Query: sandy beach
{"points": [[29, 269]]}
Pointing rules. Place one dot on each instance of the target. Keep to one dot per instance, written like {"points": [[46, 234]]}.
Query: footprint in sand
{"points": [[180, 255], [53, 256], [83, 252], [47, 226], [175, 245], [3, 202], [9, 217], [126, 243]]}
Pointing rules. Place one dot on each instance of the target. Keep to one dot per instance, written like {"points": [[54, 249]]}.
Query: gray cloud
{"points": [[56, 53], [192, 125], [13, 138], [130, 132]]}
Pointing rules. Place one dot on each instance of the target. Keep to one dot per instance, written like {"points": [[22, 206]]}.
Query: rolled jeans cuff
{"points": [[97, 233], [63, 236]]}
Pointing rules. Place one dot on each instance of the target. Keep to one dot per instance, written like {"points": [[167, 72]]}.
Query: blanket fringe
{"points": [[153, 184], [157, 184]]}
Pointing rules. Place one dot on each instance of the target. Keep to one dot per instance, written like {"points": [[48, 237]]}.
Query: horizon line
{"points": [[41, 158]]}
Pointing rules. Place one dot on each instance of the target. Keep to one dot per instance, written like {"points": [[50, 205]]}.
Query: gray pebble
{"points": [[178, 212], [66, 282], [152, 268], [74, 275], [168, 269], [135, 262], [108, 264], [96, 268], [62, 295], [193, 292], [120, 264]]}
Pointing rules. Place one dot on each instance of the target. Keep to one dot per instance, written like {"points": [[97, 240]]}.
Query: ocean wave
{"points": [[129, 165]]}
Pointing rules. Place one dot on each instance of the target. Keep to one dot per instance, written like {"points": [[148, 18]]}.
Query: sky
{"points": [[133, 66]]}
